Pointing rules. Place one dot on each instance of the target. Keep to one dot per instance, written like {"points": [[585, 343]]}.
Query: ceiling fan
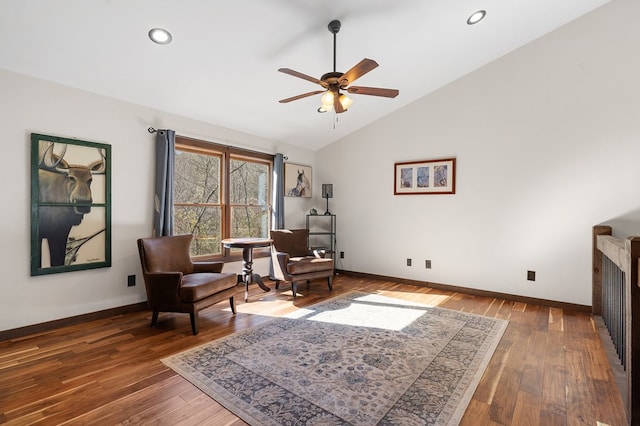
{"points": [[334, 81]]}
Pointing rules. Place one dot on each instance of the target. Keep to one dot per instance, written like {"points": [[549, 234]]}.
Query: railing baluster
{"points": [[622, 319], [613, 305]]}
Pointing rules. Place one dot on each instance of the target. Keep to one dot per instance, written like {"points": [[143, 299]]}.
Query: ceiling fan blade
{"points": [[373, 91], [303, 76], [304, 95], [358, 70]]}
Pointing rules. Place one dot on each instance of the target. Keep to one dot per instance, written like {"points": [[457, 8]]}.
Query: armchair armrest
{"points": [[208, 266], [162, 288], [279, 261]]}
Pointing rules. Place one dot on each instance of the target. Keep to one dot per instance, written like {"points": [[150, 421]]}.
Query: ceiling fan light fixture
{"points": [[345, 101], [326, 101], [476, 17], [160, 36]]}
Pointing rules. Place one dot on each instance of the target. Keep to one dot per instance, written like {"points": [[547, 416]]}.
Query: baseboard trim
{"points": [[473, 291], [17, 333]]}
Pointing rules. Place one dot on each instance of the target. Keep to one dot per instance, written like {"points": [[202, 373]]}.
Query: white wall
{"points": [[31, 105], [547, 141]]}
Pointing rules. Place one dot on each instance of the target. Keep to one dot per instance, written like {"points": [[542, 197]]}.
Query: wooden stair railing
{"points": [[616, 298]]}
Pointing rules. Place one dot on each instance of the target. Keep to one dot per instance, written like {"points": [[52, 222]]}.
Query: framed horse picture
{"points": [[297, 180]]}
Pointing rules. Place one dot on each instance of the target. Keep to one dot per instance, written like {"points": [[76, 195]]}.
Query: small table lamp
{"points": [[327, 192]]}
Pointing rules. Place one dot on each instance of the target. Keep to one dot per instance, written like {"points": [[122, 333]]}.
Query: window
{"points": [[220, 192]]}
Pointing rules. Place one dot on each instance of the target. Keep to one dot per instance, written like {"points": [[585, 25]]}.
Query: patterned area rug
{"points": [[360, 359]]}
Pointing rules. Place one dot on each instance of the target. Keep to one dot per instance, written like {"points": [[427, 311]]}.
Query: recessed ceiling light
{"points": [[160, 36], [476, 17]]}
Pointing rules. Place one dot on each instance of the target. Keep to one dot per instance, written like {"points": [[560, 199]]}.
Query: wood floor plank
{"points": [[552, 419], [554, 387], [486, 389], [527, 410], [548, 369], [607, 404], [476, 410], [532, 379], [554, 353], [504, 400], [536, 343], [556, 319], [579, 403], [131, 406]]}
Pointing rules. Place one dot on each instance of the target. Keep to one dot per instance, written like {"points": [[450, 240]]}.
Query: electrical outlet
{"points": [[341, 255], [408, 262], [427, 264], [531, 275], [131, 281]]}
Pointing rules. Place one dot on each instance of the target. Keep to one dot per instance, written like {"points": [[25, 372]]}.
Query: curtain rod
{"points": [[152, 130]]}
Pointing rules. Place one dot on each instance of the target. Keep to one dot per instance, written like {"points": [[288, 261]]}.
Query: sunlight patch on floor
{"points": [[374, 311]]}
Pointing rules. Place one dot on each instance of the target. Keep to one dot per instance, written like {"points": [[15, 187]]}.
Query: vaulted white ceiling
{"points": [[221, 67]]}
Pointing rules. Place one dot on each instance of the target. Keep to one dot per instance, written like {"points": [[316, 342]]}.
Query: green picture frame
{"points": [[70, 205]]}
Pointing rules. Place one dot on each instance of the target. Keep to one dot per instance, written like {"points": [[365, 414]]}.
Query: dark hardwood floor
{"points": [[550, 367]]}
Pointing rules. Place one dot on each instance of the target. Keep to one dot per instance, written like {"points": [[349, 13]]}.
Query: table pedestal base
{"points": [[252, 278], [247, 273]]}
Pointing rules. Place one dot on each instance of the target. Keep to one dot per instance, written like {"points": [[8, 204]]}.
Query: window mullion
{"points": [[226, 198]]}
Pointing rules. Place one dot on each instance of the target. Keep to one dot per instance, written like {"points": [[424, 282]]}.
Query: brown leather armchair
{"points": [[175, 283], [293, 262]]}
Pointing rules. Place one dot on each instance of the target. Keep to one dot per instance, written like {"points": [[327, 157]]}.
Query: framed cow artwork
{"points": [[70, 205]]}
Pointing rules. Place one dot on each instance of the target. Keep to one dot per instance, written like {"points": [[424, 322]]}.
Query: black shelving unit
{"points": [[322, 233]]}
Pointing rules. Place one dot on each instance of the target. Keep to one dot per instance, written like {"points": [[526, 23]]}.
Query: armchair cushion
{"points": [[196, 286], [304, 265]]}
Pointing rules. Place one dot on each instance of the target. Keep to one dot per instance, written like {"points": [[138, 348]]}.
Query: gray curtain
{"points": [[277, 219], [163, 197], [278, 194]]}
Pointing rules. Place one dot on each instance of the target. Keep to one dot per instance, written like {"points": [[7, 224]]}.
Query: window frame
{"points": [[227, 153]]}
